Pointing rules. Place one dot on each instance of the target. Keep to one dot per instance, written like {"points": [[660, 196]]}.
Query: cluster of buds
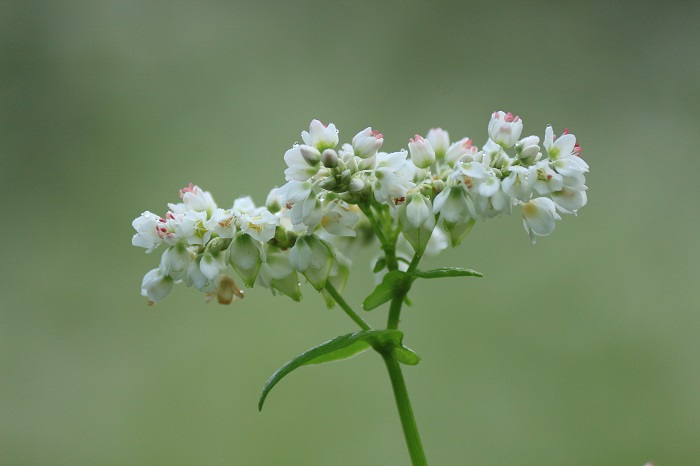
{"points": [[429, 195]]}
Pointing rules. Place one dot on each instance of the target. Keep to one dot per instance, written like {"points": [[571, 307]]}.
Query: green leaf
{"points": [[446, 272], [379, 266], [393, 283], [405, 355], [336, 349]]}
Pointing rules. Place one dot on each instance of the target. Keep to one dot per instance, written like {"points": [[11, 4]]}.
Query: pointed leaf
{"points": [[446, 272], [393, 283], [405, 355], [379, 266], [338, 348]]}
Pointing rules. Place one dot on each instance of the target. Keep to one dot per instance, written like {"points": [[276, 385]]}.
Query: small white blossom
{"points": [[246, 256], [339, 219], [302, 162], [175, 260], [519, 183], [211, 265], [321, 136], [222, 222], [392, 177], [260, 227], [422, 153], [439, 140], [570, 200], [312, 257], [462, 149], [505, 129], [538, 217], [418, 210], [156, 285], [454, 206], [148, 231], [366, 143], [194, 198]]}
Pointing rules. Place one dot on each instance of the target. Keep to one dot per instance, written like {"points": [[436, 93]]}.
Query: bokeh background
{"points": [[581, 350]]}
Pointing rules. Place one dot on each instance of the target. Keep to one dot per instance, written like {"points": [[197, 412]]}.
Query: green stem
{"points": [[346, 307], [367, 210], [403, 403], [395, 311]]}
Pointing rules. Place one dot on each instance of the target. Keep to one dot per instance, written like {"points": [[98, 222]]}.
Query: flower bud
{"points": [[244, 256], [310, 154], [282, 276], [329, 158], [356, 185], [505, 129], [273, 203], [366, 143], [211, 265], [312, 257], [175, 260], [156, 285], [422, 153], [528, 149], [417, 221], [440, 141]]}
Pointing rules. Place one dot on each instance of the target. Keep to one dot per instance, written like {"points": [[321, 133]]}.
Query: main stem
{"points": [[408, 422], [403, 403]]}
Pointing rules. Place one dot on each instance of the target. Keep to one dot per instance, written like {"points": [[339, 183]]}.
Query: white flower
{"points": [[528, 149], [472, 174], [294, 191], [366, 143], [505, 129], [417, 221], [191, 228], [422, 153], [538, 217], [148, 231], [260, 227], [156, 285], [245, 255], [194, 198], [312, 257], [339, 219], [244, 205], [321, 136], [211, 265], [519, 183], [308, 212], [439, 140], [546, 179], [175, 260], [302, 162], [277, 273], [570, 200], [419, 210], [196, 278], [460, 149], [562, 146], [453, 205], [393, 175], [222, 222]]}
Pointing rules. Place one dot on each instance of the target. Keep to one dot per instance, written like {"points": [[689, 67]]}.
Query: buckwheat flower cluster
{"points": [[337, 197]]}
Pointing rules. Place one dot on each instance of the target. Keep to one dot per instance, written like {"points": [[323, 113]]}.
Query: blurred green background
{"points": [[581, 350]]}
